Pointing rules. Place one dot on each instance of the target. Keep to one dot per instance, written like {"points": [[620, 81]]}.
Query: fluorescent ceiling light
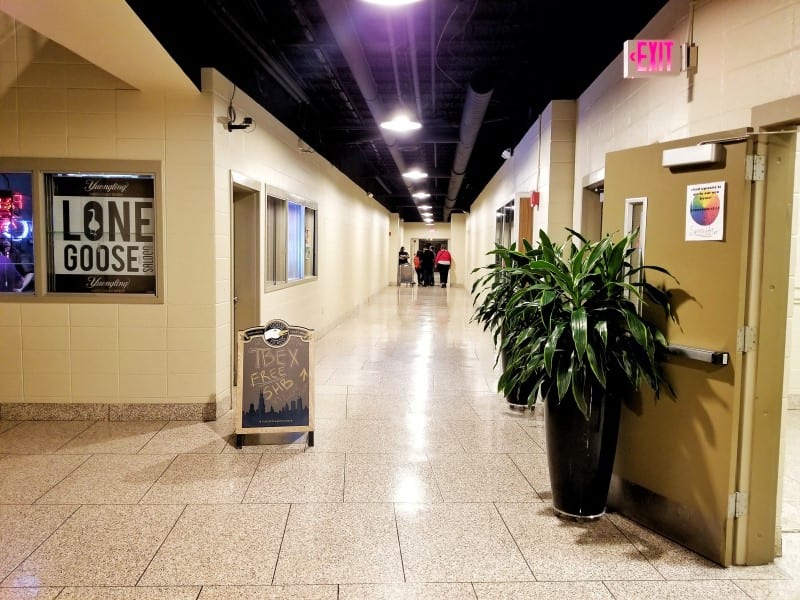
{"points": [[421, 195], [401, 122], [415, 174], [425, 206], [428, 220]]}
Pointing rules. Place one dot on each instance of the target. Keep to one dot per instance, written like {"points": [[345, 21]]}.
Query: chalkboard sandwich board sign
{"points": [[275, 393]]}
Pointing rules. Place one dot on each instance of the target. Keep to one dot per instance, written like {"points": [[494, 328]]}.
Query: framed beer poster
{"points": [[101, 233], [275, 391]]}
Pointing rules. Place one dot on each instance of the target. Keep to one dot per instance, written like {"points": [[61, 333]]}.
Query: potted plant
{"points": [[491, 291], [584, 332]]}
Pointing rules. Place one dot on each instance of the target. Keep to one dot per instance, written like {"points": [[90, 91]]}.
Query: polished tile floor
{"points": [[421, 484]]}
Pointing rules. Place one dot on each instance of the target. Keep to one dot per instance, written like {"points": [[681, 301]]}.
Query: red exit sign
{"points": [[651, 58]]}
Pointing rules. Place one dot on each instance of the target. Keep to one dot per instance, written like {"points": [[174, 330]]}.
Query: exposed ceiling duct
{"points": [[479, 93], [347, 38]]}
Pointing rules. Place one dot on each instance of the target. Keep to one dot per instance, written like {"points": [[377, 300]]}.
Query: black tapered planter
{"points": [[580, 454]]}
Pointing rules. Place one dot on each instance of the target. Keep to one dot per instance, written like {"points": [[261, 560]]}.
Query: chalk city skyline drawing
{"points": [[292, 413]]}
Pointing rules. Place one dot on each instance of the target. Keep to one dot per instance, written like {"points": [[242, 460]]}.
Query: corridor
{"points": [[422, 484]]}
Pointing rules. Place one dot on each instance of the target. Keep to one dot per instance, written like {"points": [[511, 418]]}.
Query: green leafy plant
{"points": [[493, 289], [573, 324]]}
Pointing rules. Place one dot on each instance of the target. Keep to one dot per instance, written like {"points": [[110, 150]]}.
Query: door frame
{"points": [[249, 190]]}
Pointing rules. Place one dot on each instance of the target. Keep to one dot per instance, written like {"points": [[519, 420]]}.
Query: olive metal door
{"points": [[676, 465]]}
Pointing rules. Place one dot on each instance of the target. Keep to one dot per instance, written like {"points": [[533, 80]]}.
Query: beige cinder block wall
{"points": [[68, 358]]}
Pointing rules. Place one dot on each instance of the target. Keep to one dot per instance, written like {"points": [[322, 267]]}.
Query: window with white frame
{"points": [[291, 240]]}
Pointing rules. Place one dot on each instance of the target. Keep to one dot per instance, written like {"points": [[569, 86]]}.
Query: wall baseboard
{"points": [[34, 411]]}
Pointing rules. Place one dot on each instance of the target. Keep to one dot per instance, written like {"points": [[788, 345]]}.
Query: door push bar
{"points": [[709, 356]]}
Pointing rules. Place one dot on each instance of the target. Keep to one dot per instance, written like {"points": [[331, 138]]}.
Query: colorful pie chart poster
{"points": [[705, 212]]}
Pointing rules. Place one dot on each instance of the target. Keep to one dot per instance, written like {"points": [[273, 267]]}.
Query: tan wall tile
{"points": [[90, 101], [43, 124], [82, 146], [36, 100], [183, 315], [40, 386], [91, 125], [94, 338], [190, 338], [93, 315], [132, 385], [35, 362], [149, 149], [190, 362], [43, 145], [11, 388], [10, 315], [143, 362], [183, 385], [94, 361], [45, 338], [189, 126], [142, 338], [139, 125], [42, 75], [150, 315], [94, 385]]}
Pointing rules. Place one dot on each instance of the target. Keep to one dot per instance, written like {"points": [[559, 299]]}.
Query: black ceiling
{"points": [[297, 59]]}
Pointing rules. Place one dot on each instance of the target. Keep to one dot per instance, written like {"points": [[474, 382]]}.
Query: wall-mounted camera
{"points": [[246, 122]]}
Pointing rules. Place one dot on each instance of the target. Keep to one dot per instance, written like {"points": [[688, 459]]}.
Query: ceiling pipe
{"points": [[270, 65], [412, 41], [346, 36], [479, 92]]}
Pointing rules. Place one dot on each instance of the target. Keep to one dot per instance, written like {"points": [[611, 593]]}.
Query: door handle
{"points": [[714, 357], [235, 300]]}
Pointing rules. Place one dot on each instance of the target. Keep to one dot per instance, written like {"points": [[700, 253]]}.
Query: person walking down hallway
{"points": [[442, 264], [428, 258]]}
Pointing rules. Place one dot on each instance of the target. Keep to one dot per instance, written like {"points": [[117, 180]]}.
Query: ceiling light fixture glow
{"points": [[421, 195], [401, 123], [415, 174], [391, 2]]}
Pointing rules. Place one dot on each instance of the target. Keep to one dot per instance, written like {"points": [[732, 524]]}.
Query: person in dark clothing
{"points": [[10, 279], [402, 256], [418, 265], [428, 257]]}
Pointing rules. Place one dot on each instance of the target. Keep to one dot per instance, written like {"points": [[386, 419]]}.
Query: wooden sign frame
{"points": [[275, 391]]}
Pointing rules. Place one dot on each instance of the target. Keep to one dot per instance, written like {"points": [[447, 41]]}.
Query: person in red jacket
{"points": [[442, 264]]}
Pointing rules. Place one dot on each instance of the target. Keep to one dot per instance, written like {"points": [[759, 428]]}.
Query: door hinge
{"points": [[755, 168], [737, 504], [745, 338]]}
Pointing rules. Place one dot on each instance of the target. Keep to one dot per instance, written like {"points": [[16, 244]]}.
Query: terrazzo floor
{"points": [[422, 484]]}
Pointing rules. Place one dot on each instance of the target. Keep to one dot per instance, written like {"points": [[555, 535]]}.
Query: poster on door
{"points": [[705, 212], [102, 233]]}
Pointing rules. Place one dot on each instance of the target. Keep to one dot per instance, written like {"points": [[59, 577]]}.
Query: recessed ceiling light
{"points": [[415, 174], [421, 195], [401, 123]]}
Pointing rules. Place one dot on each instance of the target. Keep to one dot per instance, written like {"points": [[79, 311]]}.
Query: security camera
{"points": [[246, 122]]}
